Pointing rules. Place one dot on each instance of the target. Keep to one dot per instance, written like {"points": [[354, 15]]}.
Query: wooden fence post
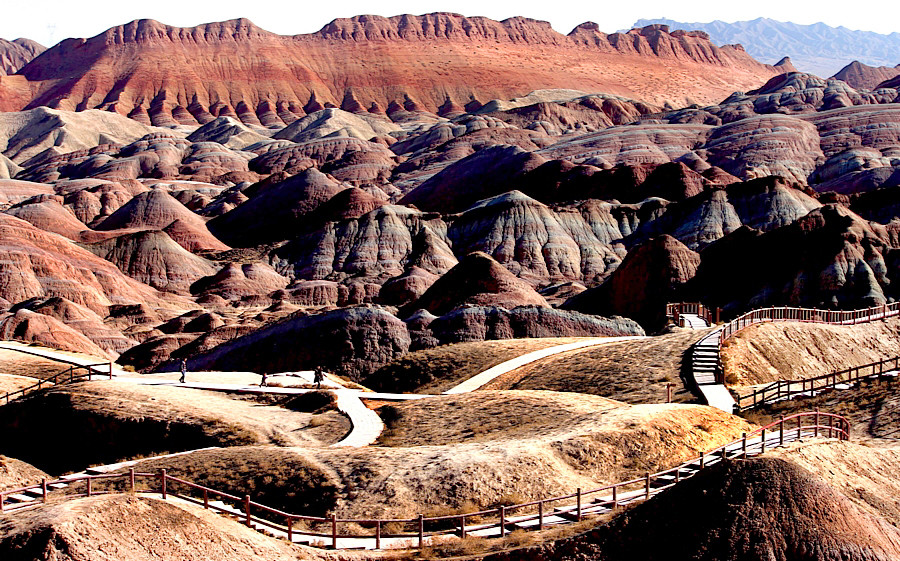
{"points": [[289, 524], [110, 370], [89, 481], [247, 511], [378, 532], [541, 512], [462, 526], [162, 484], [762, 441], [578, 503], [333, 531], [131, 481], [502, 510], [615, 498], [647, 486], [422, 531], [744, 444], [816, 429], [44, 489]]}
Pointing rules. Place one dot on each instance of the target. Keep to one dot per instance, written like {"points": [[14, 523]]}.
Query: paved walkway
{"points": [[483, 378], [555, 513], [704, 367], [693, 321]]}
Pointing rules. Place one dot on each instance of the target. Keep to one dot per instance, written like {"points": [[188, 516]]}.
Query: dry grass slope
{"points": [[439, 369], [631, 371], [865, 473], [128, 528], [454, 453], [15, 473], [762, 508], [873, 409], [768, 352], [102, 422]]}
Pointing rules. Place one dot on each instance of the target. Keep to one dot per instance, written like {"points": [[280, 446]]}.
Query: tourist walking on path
{"points": [[183, 371], [318, 377], [264, 382]]}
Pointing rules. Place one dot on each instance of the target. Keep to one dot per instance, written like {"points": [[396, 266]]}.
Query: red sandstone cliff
{"points": [[154, 72]]}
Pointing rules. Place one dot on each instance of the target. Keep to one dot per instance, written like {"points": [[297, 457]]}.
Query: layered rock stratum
{"points": [[167, 75]]}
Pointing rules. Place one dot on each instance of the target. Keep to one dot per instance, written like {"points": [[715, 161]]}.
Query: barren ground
{"points": [[21, 364], [630, 371], [873, 409], [441, 368], [454, 453], [111, 421], [866, 474], [768, 352], [128, 528], [15, 473]]}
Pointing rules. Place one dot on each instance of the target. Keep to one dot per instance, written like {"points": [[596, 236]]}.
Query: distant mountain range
{"points": [[817, 48]]}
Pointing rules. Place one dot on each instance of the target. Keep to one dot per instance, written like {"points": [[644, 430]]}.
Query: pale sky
{"points": [[50, 21]]}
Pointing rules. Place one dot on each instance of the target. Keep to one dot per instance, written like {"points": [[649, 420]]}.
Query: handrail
{"points": [[632, 490], [786, 389], [808, 315], [676, 310], [60, 377]]}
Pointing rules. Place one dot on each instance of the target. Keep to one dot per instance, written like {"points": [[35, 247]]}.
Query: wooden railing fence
{"points": [[674, 311], [70, 374], [787, 389], [808, 315], [331, 528]]}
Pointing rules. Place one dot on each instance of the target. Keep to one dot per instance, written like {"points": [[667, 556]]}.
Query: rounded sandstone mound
{"points": [[762, 508], [102, 422], [129, 528], [15, 473], [769, 352]]}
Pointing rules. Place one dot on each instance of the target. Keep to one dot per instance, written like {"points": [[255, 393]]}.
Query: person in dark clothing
{"points": [[183, 371], [264, 381], [318, 377]]}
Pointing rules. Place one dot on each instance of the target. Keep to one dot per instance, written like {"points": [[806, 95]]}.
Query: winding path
{"points": [[479, 380], [367, 427]]}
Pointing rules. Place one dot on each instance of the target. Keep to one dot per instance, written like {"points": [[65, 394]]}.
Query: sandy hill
{"points": [[400, 65], [16, 473], [765, 508], [778, 351], [113, 422], [48, 132], [125, 527], [476, 450]]}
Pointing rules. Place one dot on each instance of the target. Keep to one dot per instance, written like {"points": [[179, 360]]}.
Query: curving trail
{"points": [[551, 511], [367, 427], [482, 378], [706, 369]]}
